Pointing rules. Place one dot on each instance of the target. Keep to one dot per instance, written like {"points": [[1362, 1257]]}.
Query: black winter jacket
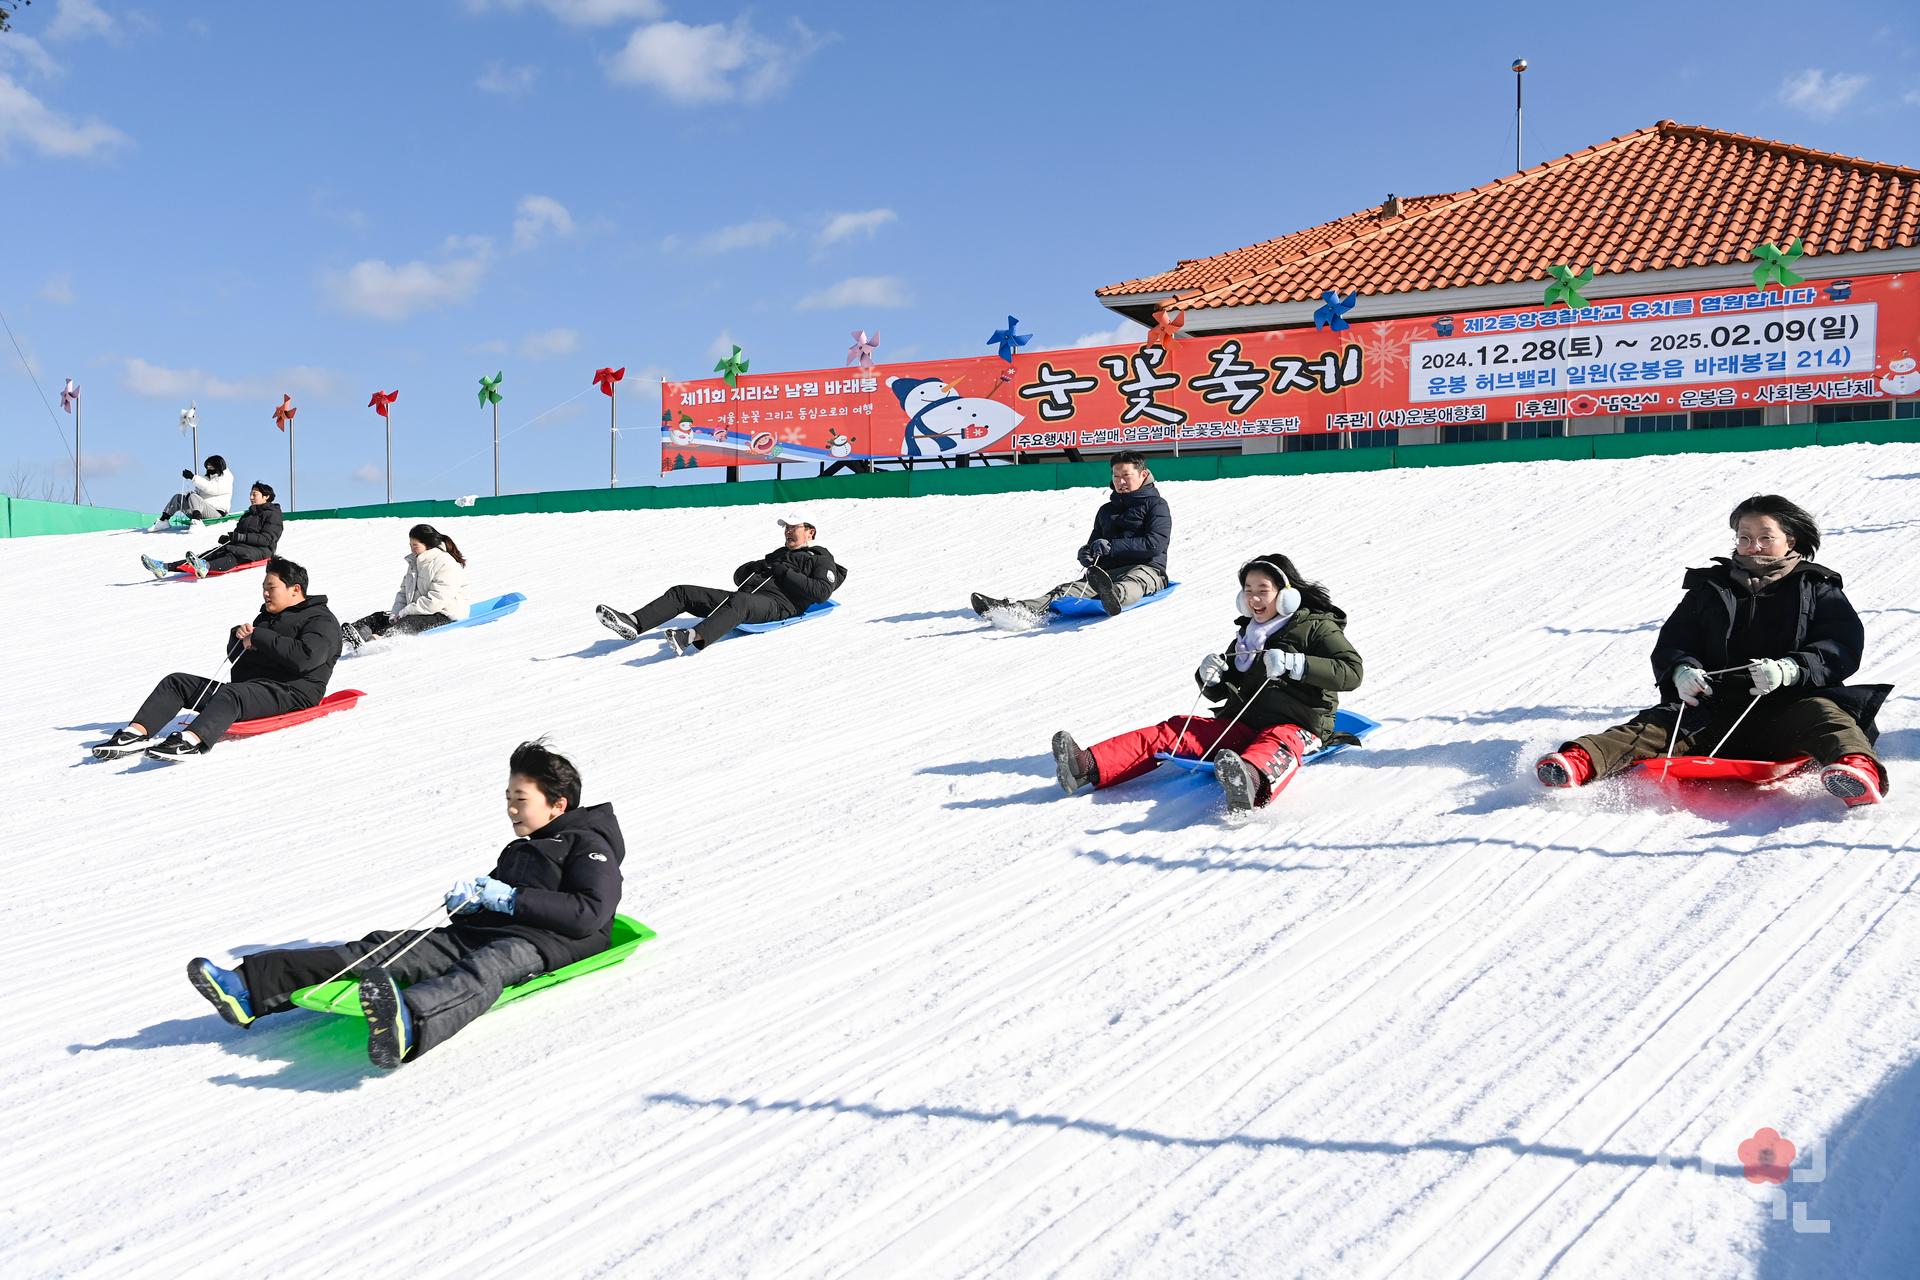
{"points": [[1333, 668], [568, 875], [296, 647], [804, 575], [1828, 643], [256, 533], [1138, 524]]}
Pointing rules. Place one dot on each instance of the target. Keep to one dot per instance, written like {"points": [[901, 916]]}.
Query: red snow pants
{"points": [[1128, 755]]}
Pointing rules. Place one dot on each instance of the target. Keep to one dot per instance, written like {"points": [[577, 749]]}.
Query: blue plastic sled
{"points": [[485, 611], [1344, 721], [813, 611], [1090, 606]]}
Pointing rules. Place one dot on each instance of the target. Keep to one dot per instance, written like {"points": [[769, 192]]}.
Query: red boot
{"points": [[1855, 779], [1568, 767]]}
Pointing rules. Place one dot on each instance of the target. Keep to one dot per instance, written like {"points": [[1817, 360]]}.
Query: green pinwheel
{"points": [[490, 389], [1566, 287], [490, 395], [731, 367], [1773, 263]]}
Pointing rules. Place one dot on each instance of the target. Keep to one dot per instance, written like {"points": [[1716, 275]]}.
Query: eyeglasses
{"points": [[1765, 540]]}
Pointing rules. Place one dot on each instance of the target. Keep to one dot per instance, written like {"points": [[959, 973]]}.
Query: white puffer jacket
{"points": [[212, 495], [435, 583]]}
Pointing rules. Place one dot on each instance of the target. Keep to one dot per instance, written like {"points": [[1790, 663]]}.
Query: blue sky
{"points": [[330, 199]]}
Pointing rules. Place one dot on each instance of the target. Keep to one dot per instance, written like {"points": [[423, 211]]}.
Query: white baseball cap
{"points": [[804, 524]]}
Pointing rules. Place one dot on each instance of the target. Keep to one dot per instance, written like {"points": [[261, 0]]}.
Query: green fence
{"points": [[27, 517]]}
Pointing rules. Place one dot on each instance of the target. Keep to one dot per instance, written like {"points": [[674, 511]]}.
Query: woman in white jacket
{"points": [[211, 496], [433, 593]]}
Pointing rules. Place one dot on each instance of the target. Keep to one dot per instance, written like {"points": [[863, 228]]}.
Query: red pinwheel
{"points": [[607, 377], [1167, 324], [382, 401], [283, 416], [283, 419]]}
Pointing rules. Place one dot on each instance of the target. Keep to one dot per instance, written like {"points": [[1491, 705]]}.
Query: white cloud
{"points": [[858, 291], [145, 378], [78, 19], [107, 464], [549, 343], [1127, 333], [842, 226], [579, 13], [1815, 93], [367, 473], [388, 292], [511, 82], [25, 118], [537, 215], [741, 235], [16, 46], [491, 347], [713, 63], [1911, 97], [58, 289], [722, 345]]}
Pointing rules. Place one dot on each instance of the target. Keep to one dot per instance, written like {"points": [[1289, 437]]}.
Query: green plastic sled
{"points": [[343, 995]]}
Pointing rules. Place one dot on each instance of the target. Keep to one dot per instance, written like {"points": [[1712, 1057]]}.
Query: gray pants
{"points": [[1136, 583]]}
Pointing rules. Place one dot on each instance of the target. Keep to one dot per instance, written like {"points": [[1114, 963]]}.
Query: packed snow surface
{"points": [[911, 1012]]}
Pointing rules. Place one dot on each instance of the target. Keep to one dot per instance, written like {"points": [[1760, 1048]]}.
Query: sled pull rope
{"points": [[363, 959], [1736, 724], [1181, 738], [1254, 696]]}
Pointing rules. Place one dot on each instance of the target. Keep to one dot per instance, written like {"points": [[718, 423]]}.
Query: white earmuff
{"points": [[1289, 601]]}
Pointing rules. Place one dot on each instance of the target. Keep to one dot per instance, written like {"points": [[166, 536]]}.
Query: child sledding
{"points": [[1750, 664], [547, 903], [433, 591], [254, 538], [1277, 686]]}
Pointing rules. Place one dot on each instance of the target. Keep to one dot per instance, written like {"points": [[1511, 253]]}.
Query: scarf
{"points": [[1254, 637], [1757, 573]]}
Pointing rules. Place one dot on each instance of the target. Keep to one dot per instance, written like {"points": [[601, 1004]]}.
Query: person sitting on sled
{"points": [[548, 902], [1750, 665], [281, 660], [1125, 557], [253, 537], [1278, 685], [432, 593], [210, 497], [781, 584]]}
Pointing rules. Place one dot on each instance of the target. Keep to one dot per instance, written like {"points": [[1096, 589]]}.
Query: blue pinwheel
{"points": [[1332, 312], [1008, 341]]}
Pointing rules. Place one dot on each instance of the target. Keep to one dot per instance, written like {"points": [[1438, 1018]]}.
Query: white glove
{"points": [[1690, 682], [1211, 668], [1281, 664], [1769, 674]]}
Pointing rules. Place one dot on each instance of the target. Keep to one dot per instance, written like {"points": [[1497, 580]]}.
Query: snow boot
{"points": [[1073, 767], [1567, 767], [351, 636], [619, 623], [224, 989], [682, 639], [198, 567], [1855, 779], [983, 603], [389, 1021], [1106, 590], [123, 743], [175, 747], [154, 567]]}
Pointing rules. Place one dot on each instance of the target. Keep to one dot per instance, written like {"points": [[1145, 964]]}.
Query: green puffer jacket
{"points": [[1333, 667]]}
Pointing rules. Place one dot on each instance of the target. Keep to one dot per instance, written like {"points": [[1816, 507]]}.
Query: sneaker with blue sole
{"points": [[224, 989], [389, 1021], [154, 567]]}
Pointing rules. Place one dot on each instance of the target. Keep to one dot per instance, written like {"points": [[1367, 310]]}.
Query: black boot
{"points": [[1073, 767]]}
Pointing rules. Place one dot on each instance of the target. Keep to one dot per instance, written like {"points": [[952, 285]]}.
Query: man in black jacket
{"points": [[782, 584], [1125, 557], [281, 660], [548, 902], [255, 536]]}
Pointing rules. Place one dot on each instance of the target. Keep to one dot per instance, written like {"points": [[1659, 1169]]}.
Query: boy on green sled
{"points": [[548, 902]]}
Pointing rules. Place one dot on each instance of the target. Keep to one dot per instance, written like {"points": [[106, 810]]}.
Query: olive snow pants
{"points": [[1136, 583], [1777, 729]]}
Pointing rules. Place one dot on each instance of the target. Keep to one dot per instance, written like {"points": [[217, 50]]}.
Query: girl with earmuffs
{"points": [[1277, 686]]}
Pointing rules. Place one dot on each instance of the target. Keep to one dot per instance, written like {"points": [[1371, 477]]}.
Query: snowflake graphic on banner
{"points": [[1385, 352]]}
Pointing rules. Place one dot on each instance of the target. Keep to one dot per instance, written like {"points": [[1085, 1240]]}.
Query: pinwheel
{"points": [[1007, 341], [382, 403], [190, 427], [70, 395], [861, 352], [1332, 311], [283, 420], [490, 389], [1167, 324], [490, 394], [606, 378], [70, 401], [1566, 287], [1773, 263], [731, 367]]}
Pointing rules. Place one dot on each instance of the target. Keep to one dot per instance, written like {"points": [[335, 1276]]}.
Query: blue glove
{"points": [[464, 896], [496, 895], [1094, 550]]}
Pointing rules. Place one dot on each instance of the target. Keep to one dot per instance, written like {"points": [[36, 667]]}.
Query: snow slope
{"points": [[911, 1012]]}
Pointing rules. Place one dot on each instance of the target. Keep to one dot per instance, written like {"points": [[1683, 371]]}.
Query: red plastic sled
{"points": [[338, 700], [1716, 769], [187, 574]]}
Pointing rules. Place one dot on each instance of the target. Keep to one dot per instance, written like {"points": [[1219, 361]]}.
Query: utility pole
{"points": [[1519, 69]]}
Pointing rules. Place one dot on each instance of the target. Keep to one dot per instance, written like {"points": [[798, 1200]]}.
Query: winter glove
{"points": [[496, 895], [226, 538], [1691, 683], [186, 475], [464, 896], [1283, 665], [1094, 550], [1211, 668], [1769, 674]]}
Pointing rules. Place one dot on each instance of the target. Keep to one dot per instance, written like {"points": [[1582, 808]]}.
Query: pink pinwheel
{"points": [[382, 401], [69, 396], [861, 352], [283, 416], [607, 377]]}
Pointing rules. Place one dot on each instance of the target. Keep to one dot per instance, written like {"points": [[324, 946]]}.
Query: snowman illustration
{"points": [[682, 431], [1901, 378], [940, 417], [840, 446]]}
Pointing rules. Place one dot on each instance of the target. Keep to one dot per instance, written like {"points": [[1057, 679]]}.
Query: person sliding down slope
{"points": [[433, 591], [1278, 685], [253, 537], [1770, 624], [210, 497]]}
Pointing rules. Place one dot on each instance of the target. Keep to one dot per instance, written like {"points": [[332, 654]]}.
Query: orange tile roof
{"points": [[1672, 195]]}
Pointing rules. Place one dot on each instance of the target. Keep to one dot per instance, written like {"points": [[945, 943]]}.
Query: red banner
{"points": [[1663, 353]]}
